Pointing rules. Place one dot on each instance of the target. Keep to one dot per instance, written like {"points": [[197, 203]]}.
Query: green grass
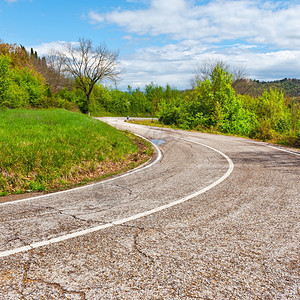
{"points": [[44, 150]]}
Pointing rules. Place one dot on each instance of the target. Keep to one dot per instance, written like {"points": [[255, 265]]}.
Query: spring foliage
{"points": [[213, 104], [20, 87]]}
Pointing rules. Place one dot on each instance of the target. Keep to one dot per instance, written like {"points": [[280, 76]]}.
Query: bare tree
{"points": [[204, 71], [54, 74], [89, 65]]}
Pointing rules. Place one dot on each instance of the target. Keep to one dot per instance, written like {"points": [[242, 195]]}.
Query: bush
{"points": [[20, 87], [214, 105]]}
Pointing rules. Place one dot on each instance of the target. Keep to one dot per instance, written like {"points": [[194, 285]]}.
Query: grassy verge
{"points": [[47, 150]]}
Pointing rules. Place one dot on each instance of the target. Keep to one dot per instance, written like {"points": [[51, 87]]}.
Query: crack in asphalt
{"points": [[26, 280], [125, 188], [135, 244], [15, 236], [26, 268], [130, 191], [61, 212], [137, 249]]}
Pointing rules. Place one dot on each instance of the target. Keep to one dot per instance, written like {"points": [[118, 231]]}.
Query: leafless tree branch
{"points": [[203, 71], [89, 65]]}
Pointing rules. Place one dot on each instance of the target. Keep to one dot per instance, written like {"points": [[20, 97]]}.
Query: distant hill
{"points": [[290, 87]]}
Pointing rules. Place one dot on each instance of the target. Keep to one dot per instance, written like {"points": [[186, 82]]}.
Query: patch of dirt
{"points": [[19, 196]]}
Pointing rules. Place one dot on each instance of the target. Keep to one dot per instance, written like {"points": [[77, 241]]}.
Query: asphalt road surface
{"points": [[210, 217]]}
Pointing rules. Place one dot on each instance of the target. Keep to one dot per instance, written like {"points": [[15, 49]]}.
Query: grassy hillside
{"points": [[44, 150]]}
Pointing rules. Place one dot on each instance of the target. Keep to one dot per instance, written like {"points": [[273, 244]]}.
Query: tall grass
{"points": [[42, 150]]}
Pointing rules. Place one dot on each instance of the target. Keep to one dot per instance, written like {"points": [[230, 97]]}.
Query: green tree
{"points": [[33, 84], [20, 87], [154, 94], [139, 103], [213, 104], [5, 79]]}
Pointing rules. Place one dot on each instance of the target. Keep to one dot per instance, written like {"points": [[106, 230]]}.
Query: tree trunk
{"points": [[86, 105]]}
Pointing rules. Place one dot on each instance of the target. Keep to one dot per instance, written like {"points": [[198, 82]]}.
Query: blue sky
{"points": [[162, 41]]}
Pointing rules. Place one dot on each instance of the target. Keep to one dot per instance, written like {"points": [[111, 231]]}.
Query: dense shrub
{"points": [[20, 87], [215, 105]]}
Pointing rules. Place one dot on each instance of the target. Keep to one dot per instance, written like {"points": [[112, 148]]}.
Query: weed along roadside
{"points": [[49, 150]]}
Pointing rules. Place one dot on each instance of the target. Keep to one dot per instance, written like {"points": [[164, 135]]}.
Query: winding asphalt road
{"points": [[212, 217]]}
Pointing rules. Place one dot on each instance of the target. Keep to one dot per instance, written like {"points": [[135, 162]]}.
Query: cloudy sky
{"points": [[162, 41]]}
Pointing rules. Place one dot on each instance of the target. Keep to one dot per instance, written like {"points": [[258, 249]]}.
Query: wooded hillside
{"points": [[290, 87]]}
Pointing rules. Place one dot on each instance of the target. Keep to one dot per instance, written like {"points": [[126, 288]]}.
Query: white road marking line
{"points": [[138, 169], [125, 220], [54, 240], [265, 144], [284, 150]]}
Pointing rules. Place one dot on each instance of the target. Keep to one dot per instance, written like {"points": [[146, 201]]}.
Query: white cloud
{"points": [[174, 63], [46, 48], [274, 65], [95, 18], [261, 35], [263, 22]]}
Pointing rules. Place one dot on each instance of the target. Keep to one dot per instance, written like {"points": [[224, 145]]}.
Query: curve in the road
{"points": [[134, 217]]}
